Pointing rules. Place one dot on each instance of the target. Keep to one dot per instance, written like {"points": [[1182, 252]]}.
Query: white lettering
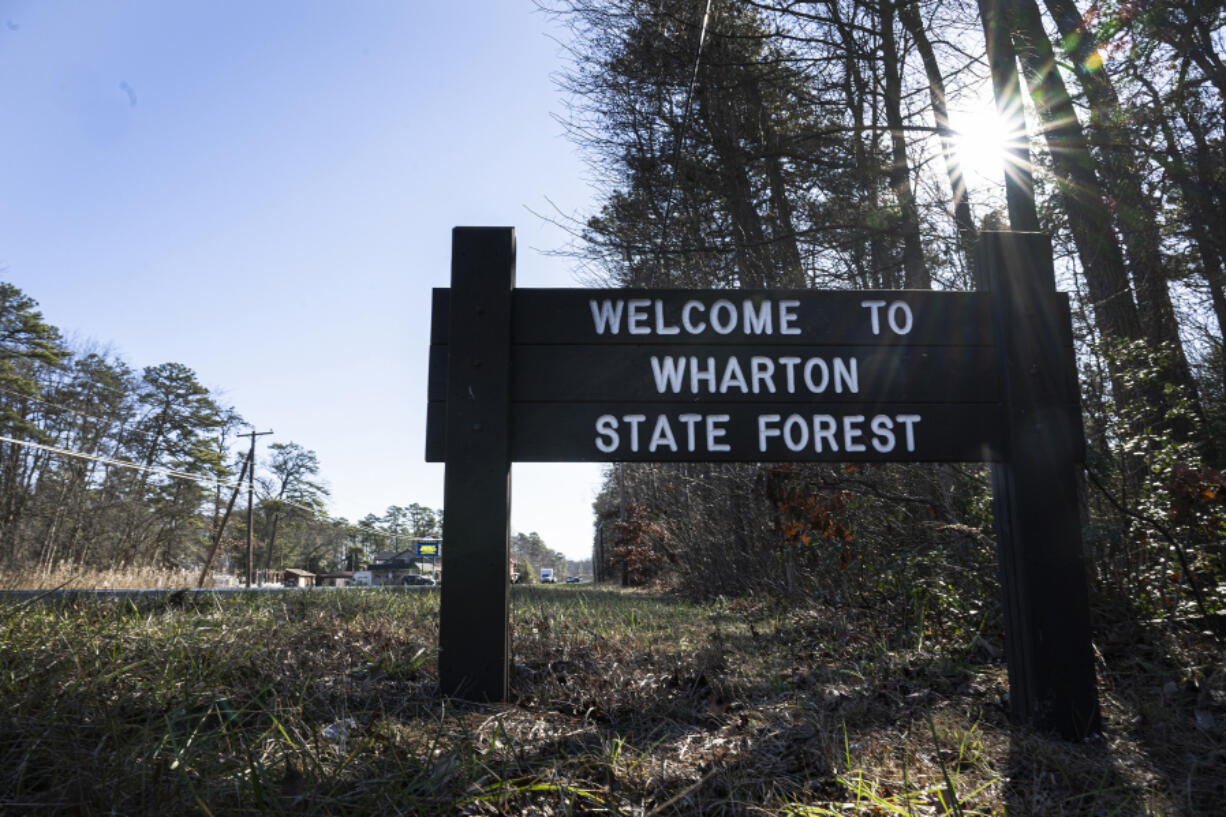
{"points": [[789, 363], [795, 432], [765, 430], [821, 364], [634, 420], [824, 428], [846, 376], [663, 435], [715, 432], [725, 327], [636, 321], [606, 427], [787, 318], [763, 371], [707, 375], [647, 316], [690, 421], [873, 306], [852, 432], [661, 327], [668, 374], [835, 433], [606, 316], [690, 326], [883, 433], [759, 322], [909, 420], [904, 326], [733, 376]]}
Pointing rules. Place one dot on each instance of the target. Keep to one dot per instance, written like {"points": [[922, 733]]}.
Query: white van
{"points": [[547, 575]]}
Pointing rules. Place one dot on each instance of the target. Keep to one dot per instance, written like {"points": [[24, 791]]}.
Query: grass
{"points": [[70, 576], [622, 703]]}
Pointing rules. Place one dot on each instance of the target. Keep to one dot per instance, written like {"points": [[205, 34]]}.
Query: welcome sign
{"points": [[714, 375], [558, 375]]}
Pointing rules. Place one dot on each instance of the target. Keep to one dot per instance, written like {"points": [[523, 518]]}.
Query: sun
{"points": [[981, 143]]}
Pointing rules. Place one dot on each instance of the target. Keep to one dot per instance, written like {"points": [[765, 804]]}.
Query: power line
{"points": [[119, 438], [130, 433], [153, 469], [203, 480]]}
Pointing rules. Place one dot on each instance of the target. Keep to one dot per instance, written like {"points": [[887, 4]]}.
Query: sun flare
{"points": [[981, 143]]}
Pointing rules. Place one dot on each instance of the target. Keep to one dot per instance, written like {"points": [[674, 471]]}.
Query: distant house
{"points": [[389, 567], [390, 572], [298, 578], [384, 556], [342, 578]]}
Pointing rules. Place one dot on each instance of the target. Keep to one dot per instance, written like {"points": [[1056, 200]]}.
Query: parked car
{"points": [[415, 579]]}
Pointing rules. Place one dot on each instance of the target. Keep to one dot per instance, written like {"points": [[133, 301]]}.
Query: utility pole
{"points": [[221, 529], [250, 501]]}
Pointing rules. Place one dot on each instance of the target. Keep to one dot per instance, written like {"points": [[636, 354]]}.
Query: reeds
{"points": [[72, 576]]}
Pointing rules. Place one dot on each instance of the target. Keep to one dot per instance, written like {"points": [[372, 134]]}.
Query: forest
{"points": [[834, 145], [103, 467], [821, 145], [796, 639]]}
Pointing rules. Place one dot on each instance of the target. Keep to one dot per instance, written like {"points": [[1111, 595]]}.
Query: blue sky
{"points": [[265, 191]]}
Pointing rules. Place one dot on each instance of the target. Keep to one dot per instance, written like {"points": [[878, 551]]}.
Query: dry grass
{"points": [[69, 576], [623, 703]]}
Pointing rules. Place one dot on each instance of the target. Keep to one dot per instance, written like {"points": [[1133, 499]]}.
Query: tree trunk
{"points": [[1199, 209], [915, 271], [963, 220], [736, 189], [786, 250], [1209, 195], [1135, 213], [1115, 311], [272, 540], [871, 270]]}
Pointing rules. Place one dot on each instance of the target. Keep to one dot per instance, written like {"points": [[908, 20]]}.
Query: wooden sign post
{"points": [[474, 614], [560, 375], [1035, 493]]}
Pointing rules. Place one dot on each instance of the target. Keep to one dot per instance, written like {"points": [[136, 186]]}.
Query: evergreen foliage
{"points": [[782, 144]]}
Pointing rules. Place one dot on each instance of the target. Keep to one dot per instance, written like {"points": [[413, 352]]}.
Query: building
{"points": [[390, 567], [293, 577]]}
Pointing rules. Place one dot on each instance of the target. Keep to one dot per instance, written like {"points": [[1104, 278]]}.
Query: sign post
{"points": [[565, 375], [1036, 495], [474, 608]]}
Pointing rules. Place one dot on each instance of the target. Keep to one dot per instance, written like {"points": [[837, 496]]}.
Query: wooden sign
{"points": [[762, 432], [749, 376], [555, 375]]}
